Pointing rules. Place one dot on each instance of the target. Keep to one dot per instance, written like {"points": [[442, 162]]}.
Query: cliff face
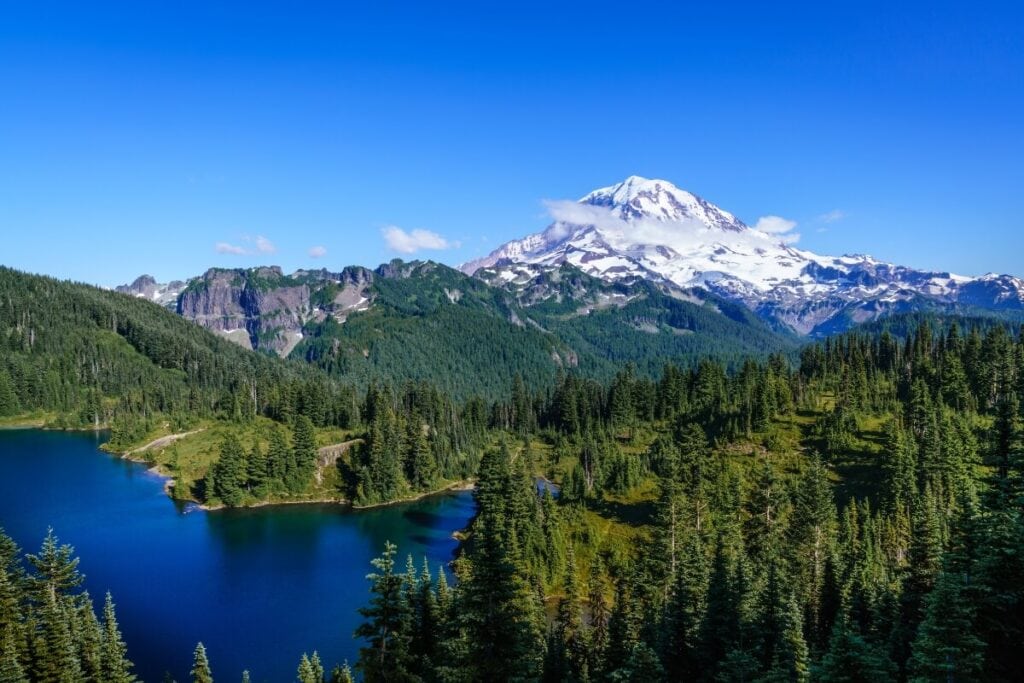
{"points": [[260, 308]]}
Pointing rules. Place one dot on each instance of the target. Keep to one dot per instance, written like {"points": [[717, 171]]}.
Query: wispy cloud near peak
{"points": [[412, 241]]}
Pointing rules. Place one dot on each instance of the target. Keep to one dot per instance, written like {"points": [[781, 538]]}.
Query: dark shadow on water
{"points": [[438, 522], [423, 518], [434, 544]]}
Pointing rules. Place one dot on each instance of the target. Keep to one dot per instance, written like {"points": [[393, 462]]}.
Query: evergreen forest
{"points": [[854, 515]]}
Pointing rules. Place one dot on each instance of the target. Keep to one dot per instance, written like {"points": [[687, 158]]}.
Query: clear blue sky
{"points": [[135, 137]]}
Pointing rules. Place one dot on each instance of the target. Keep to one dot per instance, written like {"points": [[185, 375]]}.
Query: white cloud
{"points": [[264, 246], [774, 225], [778, 228], [832, 216], [225, 248], [682, 236], [410, 242], [318, 251]]}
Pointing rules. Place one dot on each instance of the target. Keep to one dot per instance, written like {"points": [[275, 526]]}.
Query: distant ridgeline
{"points": [[466, 335]]}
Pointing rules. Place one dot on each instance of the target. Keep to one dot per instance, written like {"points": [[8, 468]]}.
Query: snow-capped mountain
{"points": [[653, 230], [146, 287]]}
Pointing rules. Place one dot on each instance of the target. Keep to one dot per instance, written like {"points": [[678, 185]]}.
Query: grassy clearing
{"points": [[27, 420], [188, 460]]}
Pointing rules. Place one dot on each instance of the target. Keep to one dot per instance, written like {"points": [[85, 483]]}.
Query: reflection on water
{"points": [[259, 587]]}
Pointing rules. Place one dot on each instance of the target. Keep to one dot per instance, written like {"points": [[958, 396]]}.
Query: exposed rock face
{"points": [[146, 287], [262, 308], [270, 307]]}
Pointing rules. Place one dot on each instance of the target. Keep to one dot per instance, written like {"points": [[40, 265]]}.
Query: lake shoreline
{"points": [[279, 578], [462, 485], [160, 471], [137, 455]]}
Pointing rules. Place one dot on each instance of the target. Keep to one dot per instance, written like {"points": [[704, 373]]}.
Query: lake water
{"points": [[258, 587]]}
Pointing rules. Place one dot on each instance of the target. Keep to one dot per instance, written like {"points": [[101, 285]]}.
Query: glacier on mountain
{"points": [[651, 229]]}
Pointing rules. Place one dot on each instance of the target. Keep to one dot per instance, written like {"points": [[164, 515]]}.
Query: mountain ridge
{"points": [[653, 230]]}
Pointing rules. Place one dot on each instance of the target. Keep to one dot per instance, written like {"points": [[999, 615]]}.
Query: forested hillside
{"points": [[429, 322], [82, 356], [858, 518]]}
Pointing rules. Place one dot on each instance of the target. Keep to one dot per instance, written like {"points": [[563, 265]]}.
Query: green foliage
{"points": [[303, 461], [387, 625], [432, 323], [115, 665], [96, 358], [201, 672], [747, 568], [48, 627]]}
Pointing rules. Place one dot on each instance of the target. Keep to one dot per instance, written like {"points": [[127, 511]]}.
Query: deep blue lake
{"points": [[258, 587]]}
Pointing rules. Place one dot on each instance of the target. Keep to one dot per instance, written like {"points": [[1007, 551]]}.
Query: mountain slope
{"points": [[98, 358], [431, 322], [469, 335], [652, 230]]}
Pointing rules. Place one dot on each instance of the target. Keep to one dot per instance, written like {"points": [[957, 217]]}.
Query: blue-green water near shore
{"points": [[258, 587]]}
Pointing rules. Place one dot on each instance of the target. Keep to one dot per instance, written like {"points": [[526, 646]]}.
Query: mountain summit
{"points": [[637, 198], [651, 229]]}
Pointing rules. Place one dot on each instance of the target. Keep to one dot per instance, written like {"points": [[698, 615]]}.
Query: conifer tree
{"points": [[765, 507], [851, 659], [306, 672], [278, 455], [790, 658], [811, 534], [421, 470], [11, 670], [386, 658], [229, 472], [116, 667], [380, 475], [599, 615], [426, 621], [720, 628], [670, 529], [568, 631], [56, 568], [924, 564], [499, 607], [999, 577], [56, 658], [200, 666], [685, 610], [341, 674], [303, 461], [9, 404], [317, 666], [256, 469], [623, 624], [89, 637], [947, 646]]}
